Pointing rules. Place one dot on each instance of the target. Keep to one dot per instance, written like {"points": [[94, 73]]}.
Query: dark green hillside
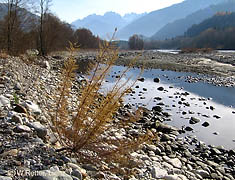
{"points": [[220, 21]]}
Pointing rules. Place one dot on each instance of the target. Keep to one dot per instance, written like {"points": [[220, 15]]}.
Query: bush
{"points": [[87, 128], [136, 42]]}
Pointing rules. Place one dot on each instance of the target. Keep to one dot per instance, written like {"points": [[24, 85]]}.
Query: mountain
{"points": [[179, 27], [219, 21], [155, 20], [106, 24]]}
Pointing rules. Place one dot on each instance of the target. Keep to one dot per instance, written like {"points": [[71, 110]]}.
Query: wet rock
{"points": [[156, 80], [141, 79], [216, 116], [160, 88], [157, 108], [194, 120], [205, 124], [188, 128], [158, 98], [212, 108], [161, 104], [165, 128]]}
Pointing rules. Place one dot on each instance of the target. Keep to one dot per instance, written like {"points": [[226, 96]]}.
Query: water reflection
{"points": [[206, 102]]}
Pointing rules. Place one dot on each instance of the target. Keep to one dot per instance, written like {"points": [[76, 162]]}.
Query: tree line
{"points": [[30, 25]]}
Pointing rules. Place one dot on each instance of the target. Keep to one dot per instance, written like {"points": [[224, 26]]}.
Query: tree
{"points": [[85, 39], [136, 42], [12, 23], [43, 10], [56, 34]]}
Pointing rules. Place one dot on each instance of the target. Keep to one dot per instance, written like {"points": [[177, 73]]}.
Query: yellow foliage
{"points": [[88, 127]]}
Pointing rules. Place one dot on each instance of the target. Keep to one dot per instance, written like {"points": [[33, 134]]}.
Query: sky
{"points": [[71, 10]]}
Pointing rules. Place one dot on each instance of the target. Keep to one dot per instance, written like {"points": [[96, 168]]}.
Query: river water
{"points": [[209, 103]]}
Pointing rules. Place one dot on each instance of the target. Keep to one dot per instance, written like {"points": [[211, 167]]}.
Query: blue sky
{"points": [[70, 10]]}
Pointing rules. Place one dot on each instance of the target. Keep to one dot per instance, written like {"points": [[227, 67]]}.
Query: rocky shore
{"points": [[28, 149]]}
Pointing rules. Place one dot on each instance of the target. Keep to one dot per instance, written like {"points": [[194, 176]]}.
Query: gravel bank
{"points": [[28, 150]]}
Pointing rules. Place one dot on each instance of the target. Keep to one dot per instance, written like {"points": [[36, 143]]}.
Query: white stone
{"points": [[175, 162], [4, 101], [157, 172], [32, 107]]}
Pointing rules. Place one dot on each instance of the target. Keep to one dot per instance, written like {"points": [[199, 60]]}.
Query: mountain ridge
{"points": [[105, 24], [178, 27], [149, 24]]}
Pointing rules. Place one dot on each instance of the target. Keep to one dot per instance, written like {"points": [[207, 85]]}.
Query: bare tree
{"points": [[14, 19], [43, 10]]}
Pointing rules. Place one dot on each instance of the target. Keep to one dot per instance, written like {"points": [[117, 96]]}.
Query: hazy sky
{"points": [[70, 10]]}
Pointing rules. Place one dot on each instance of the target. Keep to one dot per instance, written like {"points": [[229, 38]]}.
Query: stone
{"points": [[175, 177], [32, 107], [39, 128], [5, 178], [216, 151], [145, 89], [202, 173], [12, 152], [175, 162], [4, 102], [212, 108], [160, 88], [158, 173], [157, 108], [151, 147], [20, 109], [188, 128], [205, 124], [17, 86], [156, 80], [216, 116], [100, 175], [17, 119], [51, 175], [194, 120], [165, 128], [45, 64], [89, 167], [77, 173], [158, 151], [21, 128], [141, 79]]}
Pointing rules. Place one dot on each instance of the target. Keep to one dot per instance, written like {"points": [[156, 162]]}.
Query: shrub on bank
{"points": [[88, 127]]}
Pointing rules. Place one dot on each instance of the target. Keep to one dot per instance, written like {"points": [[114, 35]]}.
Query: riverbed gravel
{"points": [[27, 146]]}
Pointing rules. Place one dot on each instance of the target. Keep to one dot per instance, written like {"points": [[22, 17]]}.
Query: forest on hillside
{"points": [[217, 32]]}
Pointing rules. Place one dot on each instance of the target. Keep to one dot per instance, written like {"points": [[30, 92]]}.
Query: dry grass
{"points": [[89, 127]]}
